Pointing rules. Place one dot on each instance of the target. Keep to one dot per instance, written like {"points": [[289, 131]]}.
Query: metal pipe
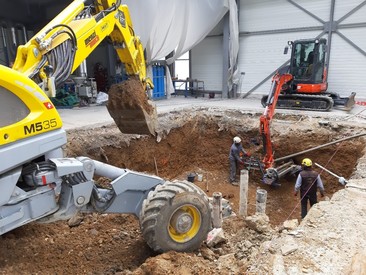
{"points": [[105, 170], [341, 180], [14, 44], [108, 171], [285, 165], [25, 36], [24, 31], [3, 34], [13, 36], [286, 170], [83, 71], [5, 42], [318, 147]]}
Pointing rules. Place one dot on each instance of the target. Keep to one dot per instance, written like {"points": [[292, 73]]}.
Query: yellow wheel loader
{"points": [[38, 183]]}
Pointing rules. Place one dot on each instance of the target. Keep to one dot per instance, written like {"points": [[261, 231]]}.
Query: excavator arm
{"points": [[271, 176], [63, 44], [279, 83], [56, 51]]}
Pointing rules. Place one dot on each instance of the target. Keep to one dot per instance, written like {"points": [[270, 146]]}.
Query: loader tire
{"points": [[175, 216]]}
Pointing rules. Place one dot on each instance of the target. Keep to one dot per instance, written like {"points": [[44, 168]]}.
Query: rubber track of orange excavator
{"points": [[303, 102]]}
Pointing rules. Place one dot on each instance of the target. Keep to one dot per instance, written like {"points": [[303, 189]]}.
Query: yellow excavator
{"points": [[38, 183], [61, 46]]}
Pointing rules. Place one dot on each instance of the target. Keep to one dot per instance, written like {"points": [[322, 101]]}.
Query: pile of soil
{"points": [[130, 108], [188, 142]]}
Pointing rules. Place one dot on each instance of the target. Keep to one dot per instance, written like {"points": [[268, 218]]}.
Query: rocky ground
{"points": [[328, 241]]}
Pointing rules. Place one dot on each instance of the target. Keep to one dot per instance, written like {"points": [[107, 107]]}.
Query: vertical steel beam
{"points": [[330, 32], [225, 54]]}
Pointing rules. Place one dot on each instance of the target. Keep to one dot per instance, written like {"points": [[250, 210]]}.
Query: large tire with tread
{"points": [[175, 216]]}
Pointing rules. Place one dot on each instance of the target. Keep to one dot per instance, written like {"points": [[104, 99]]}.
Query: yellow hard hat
{"points": [[307, 162]]}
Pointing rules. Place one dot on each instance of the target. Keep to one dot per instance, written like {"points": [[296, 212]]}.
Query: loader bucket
{"points": [[130, 108]]}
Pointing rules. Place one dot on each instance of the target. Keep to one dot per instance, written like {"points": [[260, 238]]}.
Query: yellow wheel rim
{"points": [[184, 224]]}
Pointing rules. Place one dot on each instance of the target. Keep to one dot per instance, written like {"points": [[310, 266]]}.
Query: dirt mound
{"points": [[113, 244], [130, 108]]}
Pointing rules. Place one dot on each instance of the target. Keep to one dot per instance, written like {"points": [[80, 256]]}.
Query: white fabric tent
{"points": [[165, 26]]}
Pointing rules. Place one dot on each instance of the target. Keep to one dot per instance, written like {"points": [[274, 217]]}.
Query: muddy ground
{"points": [[194, 141]]}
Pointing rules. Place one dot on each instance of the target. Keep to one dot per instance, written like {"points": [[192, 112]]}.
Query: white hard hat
{"points": [[237, 139]]}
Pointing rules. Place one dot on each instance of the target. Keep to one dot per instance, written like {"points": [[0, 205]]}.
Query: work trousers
{"points": [[233, 169], [304, 203]]}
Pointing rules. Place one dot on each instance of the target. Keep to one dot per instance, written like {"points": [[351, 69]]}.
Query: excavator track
{"points": [[321, 103]]}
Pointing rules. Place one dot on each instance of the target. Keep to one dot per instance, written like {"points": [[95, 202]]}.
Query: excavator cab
{"points": [[307, 64]]}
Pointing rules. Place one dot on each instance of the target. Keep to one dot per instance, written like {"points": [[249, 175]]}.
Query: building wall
{"points": [[207, 63], [266, 26]]}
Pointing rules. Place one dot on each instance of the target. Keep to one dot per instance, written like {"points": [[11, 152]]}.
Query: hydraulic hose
{"points": [[105, 12], [73, 36], [101, 204]]}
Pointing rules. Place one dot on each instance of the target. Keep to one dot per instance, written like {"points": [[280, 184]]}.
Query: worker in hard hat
{"points": [[235, 159], [308, 182]]}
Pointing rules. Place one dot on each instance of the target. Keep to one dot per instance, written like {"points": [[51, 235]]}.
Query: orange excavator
{"points": [[302, 85], [307, 87]]}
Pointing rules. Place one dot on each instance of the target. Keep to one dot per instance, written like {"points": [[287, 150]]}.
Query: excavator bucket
{"points": [[350, 102], [130, 108]]}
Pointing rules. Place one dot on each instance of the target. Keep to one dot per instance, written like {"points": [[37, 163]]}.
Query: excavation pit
{"points": [[187, 142], [201, 144]]}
